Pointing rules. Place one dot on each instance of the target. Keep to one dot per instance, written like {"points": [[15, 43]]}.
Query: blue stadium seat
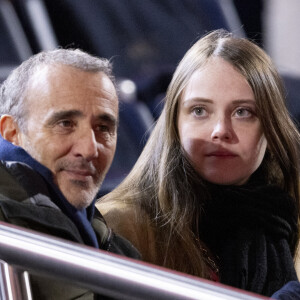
{"points": [[14, 46], [133, 132], [292, 86], [135, 118], [146, 39]]}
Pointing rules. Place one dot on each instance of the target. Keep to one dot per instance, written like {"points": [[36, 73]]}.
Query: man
{"points": [[59, 116]]}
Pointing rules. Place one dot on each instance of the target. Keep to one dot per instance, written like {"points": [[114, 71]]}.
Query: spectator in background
{"points": [[59, 116], [215, 193]]}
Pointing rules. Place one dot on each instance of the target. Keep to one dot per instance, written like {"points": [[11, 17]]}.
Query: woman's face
{"points": [[218, 124]]}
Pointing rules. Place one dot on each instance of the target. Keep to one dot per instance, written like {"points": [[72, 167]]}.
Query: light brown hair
{"points": [[162, 182]]}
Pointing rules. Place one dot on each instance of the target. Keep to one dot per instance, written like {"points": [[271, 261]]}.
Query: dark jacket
{"points": [[290, 291], [26, 200], [249, 231]]}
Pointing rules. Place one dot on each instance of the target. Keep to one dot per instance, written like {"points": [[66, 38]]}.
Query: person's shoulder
{"points": [[20, 182], [111, 241], [11, 186], [131, 222], [290, 291], [119, 245], [120, 217], [13, 167], [20, 173], [126, 219], [116, 212]]}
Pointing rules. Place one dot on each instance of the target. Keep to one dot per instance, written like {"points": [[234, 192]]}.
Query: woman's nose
{"points": [[222, 130]]}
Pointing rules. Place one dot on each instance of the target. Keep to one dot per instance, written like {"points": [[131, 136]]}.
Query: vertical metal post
{"points": [[14, 283]]}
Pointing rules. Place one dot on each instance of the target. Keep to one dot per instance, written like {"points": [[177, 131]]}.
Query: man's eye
{"points": [[65, 123], [103, 128]]}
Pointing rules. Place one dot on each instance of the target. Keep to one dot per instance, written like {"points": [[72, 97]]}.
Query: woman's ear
{"points": [[9, 129]]}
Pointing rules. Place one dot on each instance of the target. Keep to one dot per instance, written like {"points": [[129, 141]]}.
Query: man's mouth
{"points": [[81, 175]]}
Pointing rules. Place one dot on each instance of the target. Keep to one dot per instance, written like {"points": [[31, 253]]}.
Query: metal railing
{"points": [[14, 283], [99, 271]]}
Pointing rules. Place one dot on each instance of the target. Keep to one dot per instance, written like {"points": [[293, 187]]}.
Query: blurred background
{"points": [[145, 40]]}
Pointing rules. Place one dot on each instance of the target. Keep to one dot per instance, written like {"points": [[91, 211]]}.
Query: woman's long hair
{"points": [[163, 183]]}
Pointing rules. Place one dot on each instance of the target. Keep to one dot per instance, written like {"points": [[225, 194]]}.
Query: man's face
{"points": [[71, 128]]}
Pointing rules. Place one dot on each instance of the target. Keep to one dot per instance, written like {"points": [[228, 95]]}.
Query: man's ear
{"points": [[9, 129]]}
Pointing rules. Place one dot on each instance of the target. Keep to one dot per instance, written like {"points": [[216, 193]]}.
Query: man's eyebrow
{"points": [[64, 114], [108, 118], [67, 114]]}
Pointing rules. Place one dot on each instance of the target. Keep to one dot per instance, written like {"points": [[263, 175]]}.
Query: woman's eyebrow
{"points": [[205, 100], [196, 100], [243, 101]]}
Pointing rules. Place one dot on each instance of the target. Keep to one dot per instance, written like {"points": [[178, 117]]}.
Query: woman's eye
{"points": [[199, 111], [243, 112]]}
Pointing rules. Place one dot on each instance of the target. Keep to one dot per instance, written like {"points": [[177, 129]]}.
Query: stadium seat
{"points": [[14, 46]]}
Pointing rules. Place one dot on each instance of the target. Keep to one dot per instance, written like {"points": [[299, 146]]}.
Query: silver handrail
{"points": [[15, 283], [101, 272]]}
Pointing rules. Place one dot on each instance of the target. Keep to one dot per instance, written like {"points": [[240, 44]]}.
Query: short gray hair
{"points": [[13, 89]]}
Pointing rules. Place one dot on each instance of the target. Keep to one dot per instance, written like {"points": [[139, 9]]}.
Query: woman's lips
{"points": [[222, 153]]}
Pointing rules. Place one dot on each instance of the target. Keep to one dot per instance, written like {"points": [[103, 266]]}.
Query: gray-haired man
{"points": [[59, 116]]}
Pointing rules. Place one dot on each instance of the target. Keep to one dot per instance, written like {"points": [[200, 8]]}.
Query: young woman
{"points": [[215, 192]]}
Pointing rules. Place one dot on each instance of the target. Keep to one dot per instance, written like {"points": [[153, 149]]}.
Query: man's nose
{"points": [[86, 145], [222, 130]]}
